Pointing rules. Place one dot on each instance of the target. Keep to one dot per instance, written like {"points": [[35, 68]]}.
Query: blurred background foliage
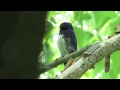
{"points": [[89, 27]]}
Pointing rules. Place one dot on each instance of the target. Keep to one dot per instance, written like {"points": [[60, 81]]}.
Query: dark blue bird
{"points": [[67, 42]]}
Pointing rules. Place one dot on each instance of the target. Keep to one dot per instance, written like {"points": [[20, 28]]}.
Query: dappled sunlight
{"points": [[95, 32], [118, 76], [99, 74], [85, 26]]}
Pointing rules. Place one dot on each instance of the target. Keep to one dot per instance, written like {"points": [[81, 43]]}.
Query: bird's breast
{"points": [[62, 45]]}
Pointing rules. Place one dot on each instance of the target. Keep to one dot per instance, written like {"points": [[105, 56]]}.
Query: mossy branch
{"points": [[61, 60]]}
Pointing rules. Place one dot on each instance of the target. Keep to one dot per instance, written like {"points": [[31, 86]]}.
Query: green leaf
{"points": [[101, 17]]}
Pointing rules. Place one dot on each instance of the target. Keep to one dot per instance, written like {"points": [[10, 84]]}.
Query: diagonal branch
{"points": [[61, 60], [90, 57]]}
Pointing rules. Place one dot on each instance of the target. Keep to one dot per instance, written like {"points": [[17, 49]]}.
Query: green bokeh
{"points": [[89, 27]]}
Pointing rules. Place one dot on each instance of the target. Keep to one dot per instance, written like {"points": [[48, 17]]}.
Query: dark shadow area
{"points": [[21, 34]]}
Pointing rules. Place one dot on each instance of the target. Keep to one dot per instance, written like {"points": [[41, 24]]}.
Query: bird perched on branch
{"points": [[67, 42]]}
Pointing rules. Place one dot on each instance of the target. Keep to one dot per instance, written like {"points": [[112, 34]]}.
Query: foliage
{"points": [[89, 27]]}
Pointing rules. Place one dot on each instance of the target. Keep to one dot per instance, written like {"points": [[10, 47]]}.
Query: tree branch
{"points": [[61, 60], [90, 57]]}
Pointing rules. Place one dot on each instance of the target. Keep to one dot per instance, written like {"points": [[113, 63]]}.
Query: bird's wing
{"points": [[71, 40]]}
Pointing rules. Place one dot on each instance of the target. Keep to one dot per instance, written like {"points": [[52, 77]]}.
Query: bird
{"points": [[67, 42]]}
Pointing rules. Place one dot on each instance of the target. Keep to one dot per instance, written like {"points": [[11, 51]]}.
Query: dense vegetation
{"points": [[89, 27]]}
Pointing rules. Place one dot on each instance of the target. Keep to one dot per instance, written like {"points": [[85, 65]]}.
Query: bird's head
{"points": [[66, 25]]}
